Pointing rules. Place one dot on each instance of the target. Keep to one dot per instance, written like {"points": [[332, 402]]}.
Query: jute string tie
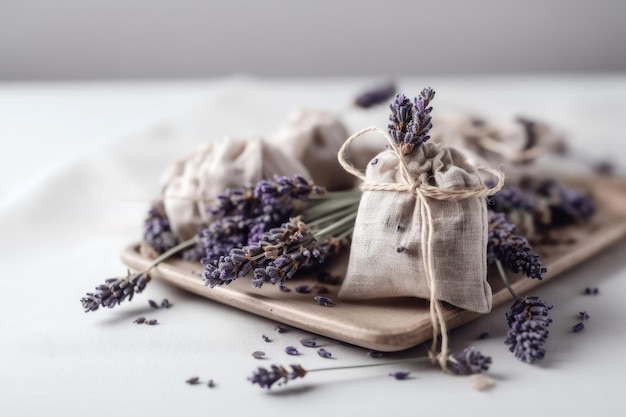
{"points": [[422, 192]]}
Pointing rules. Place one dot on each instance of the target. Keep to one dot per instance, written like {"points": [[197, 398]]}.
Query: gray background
{"points": [[128, 39]]}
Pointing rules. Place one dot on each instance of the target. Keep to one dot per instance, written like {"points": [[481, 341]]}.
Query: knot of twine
{"points": [[422, 192]]}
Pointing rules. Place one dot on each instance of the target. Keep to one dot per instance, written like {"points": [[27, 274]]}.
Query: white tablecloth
{"points": [[79, 164]]}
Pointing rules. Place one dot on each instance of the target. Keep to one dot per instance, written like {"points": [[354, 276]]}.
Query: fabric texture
{"points": [[313, 137], [387, 252], [192, 184]]}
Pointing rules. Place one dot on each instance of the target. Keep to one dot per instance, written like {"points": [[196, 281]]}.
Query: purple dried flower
{"points": [[114, 291], [258, 354], [411, 122], [512, 197], [211, 384], [266, 378], [468, 361], [528, 320], [566, 204], [266, 339], [324, 353], [512, 250], [290, 350], [578, 327], [400, 376], [166, 303], [153, 304], [375, 96], [157, 232], [139, 320], [584, 315], [591, 291], [308, 342], [152, 322], [324, 301]]}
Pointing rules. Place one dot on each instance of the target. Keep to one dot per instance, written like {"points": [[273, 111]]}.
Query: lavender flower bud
{"points": [[266, 378], [528, 321], [468, 361], [156, 229], [114, 291]]}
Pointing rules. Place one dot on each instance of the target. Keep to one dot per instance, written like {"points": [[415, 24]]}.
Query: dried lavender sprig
{"points": [[567, 205], [469, 361], [512, 250], [157, 231], [116, 290], [528, 322], [411, 121]]}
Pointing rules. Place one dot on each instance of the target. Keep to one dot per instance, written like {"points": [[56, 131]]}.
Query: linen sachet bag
{"points": [[421, 227], [192, 184]]}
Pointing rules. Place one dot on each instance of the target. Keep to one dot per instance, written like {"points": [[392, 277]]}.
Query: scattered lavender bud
{"points": [[258, 355], [324, 301], [374, 161], [579, 327], [595, 291], [193, 380], [303, 289], [266, 378], [374, 96], [153, 304], [400, 375], [284, 288], [375, 354], [139, 320], [308, 342], [166, 303], [210, 384], [400, 249], [266, 339], [152, 322], [483, 335], [591, 291], [584, 315], [290, 350], [324, 353]]}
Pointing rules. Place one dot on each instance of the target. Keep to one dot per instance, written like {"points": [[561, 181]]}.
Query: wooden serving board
{"points": [[395, 324]]}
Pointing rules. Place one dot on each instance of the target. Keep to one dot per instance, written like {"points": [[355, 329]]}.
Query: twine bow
{"points": [[422, 192]]}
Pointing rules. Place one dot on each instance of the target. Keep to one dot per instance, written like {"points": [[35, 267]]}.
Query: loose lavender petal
{"points": [[579, 327], [290, 350], [166, 303], [308, 342], [258, 354], [211, 384], [324, 301], [153, 304], [374, 96], [266, 339], [400, 375], [583, 315], [139, 320], [193, 380], [324, 353], [152, 322], [303, 289]]}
